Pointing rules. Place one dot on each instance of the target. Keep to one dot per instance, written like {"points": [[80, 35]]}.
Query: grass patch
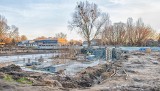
{"points": [[24, 80], [8, 78]]}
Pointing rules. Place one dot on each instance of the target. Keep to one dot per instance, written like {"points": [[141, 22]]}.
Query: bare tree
{"points": [[61, 35], [130, 31], [115, 34], [88, 20], [14, 34], [3, 28], [23, 37], [143, 32], [8, 34], [120, 33], [108, 35]]}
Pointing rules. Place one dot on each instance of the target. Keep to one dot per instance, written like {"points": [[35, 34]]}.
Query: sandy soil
{"points": [[142, 74], [13, 86]]}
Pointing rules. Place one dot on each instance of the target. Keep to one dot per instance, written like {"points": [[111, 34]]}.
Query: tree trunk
{"points": [[89, 42]]}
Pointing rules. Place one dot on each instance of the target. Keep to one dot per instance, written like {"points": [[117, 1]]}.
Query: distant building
{"points": [[151, 42], [50, 43], [27, 43], [94, 42], [43, 44], [85, 44], [46, 44]]}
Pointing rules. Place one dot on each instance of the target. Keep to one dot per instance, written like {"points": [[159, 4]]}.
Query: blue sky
{"points": [[47, 17]]}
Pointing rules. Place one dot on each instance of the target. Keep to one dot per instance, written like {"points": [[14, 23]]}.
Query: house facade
{"points": [[151, 42], [43, 44], [27, 43], [46, 44], [94, 42]]}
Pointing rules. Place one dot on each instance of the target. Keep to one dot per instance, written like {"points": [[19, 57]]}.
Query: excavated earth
{"points": [[134, 72]]}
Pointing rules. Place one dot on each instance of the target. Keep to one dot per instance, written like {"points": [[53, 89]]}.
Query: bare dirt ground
{"points": [[61, 61], [12, 86], [142, 74]]}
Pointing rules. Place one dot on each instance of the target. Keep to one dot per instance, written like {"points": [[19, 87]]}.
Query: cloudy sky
{"points": [[47, 17]]}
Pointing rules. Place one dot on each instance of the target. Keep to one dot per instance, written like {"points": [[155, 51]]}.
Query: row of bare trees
{"points": [[129, 33], [91, 24], [9, 34], [58, 35]]}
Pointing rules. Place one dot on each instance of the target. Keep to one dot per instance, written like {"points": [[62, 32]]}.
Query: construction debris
{"points": [[133, 71]]}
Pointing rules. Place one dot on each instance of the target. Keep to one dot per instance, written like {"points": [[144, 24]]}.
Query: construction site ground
{"points": [[137, 72], [142, 74]]}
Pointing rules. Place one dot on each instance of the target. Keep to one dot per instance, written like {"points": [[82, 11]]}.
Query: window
{"points": [[48, 69]]}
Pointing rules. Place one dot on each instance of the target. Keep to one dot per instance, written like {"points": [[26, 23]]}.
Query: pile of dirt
{"points": [[132, 88], [2, 75], [36, 79], [11, 68], [87, 77], [12, 86], [138, 53]]}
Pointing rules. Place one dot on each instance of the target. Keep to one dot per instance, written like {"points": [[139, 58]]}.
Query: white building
{"points": [[27, 43]]}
